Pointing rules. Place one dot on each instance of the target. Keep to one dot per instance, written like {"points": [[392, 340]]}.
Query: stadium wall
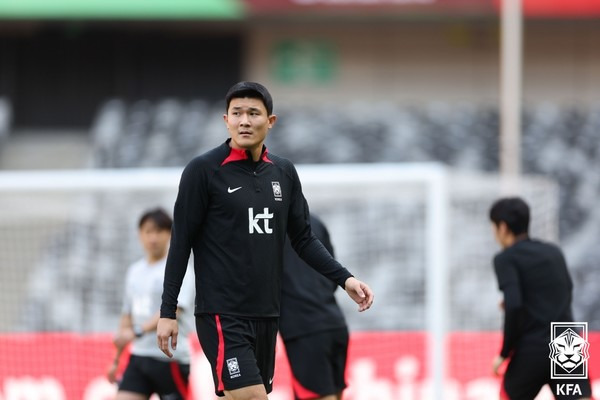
{"points": [[422, 62], [393, 371], [403, 61]]}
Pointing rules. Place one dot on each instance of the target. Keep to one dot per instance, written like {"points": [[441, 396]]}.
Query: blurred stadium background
{"points": [[100, 95]]}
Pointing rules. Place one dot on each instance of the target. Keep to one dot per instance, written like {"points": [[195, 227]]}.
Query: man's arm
{"points": [[168, 328], [188, 214], [123, 336], [312, 251], [126, 334], [510, 285]]}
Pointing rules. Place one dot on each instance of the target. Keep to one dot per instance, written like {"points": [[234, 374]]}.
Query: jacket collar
{"points": [[239, 155]]}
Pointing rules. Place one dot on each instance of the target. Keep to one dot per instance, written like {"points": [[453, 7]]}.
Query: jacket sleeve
{"points": [[320, 230], [303, 240], [510, 285], [188, 215]]}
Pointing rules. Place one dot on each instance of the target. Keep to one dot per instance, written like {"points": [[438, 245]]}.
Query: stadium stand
{"points": [[557, 142]]}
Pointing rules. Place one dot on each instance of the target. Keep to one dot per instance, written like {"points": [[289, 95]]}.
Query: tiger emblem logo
{"points": [[569, 350]]}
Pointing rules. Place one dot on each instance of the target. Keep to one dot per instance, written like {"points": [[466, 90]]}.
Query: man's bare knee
{"points": [[330, 397], [124, 395]]}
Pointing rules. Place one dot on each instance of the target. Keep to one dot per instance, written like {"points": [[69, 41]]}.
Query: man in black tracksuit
{"points": [[537, 289], [235, 205], [313, 326]]}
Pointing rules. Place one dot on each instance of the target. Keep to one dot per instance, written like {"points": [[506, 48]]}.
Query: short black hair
{"points": [[513, 211], [159, 216], [251, 90]]}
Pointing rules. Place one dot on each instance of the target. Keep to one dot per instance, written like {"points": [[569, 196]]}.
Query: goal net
{"points": [[418, 234]]}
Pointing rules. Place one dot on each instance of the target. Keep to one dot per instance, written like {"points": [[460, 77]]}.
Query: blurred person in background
{"points": [[148, 370], [537, 290], [235, 205], [312, 325]]}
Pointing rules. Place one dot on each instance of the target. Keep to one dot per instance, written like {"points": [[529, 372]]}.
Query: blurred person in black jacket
{"points": [[313, 326], [537, 291]]}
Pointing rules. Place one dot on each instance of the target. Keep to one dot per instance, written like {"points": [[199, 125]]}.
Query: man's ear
{"points": [[503, 228], [272, 120]]}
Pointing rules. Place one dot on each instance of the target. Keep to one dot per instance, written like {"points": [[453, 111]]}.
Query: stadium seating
{"points": [[557, 142]]}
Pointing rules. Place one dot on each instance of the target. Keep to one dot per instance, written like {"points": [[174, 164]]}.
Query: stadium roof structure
{"points": [[420, 8], [241, 9], [122, 9]]}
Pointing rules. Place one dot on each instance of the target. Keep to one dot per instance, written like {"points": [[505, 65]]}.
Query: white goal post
{"points": [[417, 233]]}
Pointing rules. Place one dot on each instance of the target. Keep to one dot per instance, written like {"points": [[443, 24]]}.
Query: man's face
{"points": [[154, 240], [248, 123]]}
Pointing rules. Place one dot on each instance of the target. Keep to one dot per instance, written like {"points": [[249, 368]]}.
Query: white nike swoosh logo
{"points": [[270, 381], [230, 190]]}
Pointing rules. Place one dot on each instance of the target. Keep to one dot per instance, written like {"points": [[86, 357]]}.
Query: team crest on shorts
{"points": [[277, 191], [234, 367]]}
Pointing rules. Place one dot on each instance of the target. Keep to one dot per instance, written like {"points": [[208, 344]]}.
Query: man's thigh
{"points": [[145, 376], [525, 375], [318, 363]]}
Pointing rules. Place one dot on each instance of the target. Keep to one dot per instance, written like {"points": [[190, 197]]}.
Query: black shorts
{"points": [[318, 363], [147, 375], [241, 351], [528, 372]]}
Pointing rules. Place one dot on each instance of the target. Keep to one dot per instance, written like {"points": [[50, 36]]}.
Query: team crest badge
{"points": [[233, 367], [277, 191]]}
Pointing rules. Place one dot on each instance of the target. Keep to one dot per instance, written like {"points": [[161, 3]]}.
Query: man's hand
{"points": [[111, 372], [496, 365], [360, 292], [166, 329]]}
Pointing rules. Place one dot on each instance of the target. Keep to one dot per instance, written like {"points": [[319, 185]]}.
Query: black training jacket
{"points": [[308, 302], [234, 214], [537, 290]]}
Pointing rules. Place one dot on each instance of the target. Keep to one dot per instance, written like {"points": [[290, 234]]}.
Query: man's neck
{"points": [[515, 238], [154, 259], [256, 153]]}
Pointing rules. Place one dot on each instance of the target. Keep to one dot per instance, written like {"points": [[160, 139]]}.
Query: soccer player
{"points": [[313, 326], [149, 370], [234, 207], [536, 287]]}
